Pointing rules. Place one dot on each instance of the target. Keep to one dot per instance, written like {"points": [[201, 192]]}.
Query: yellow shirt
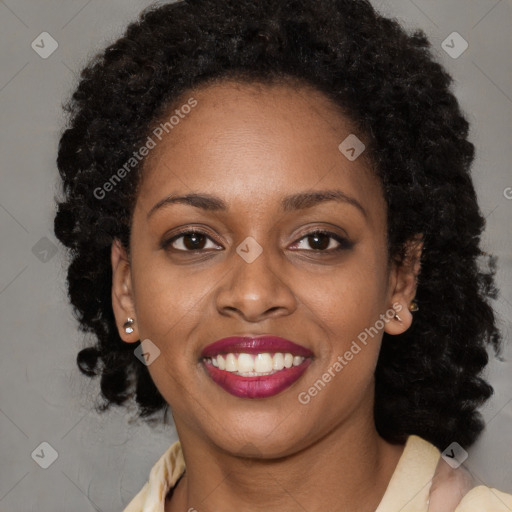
{"points": [[407, 490]]}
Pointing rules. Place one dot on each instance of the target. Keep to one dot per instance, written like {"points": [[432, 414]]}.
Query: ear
{"points": [[403, 282], [122, 292]]}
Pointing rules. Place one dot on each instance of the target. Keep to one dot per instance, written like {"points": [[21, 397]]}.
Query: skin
{"points": [[449, 487], [251, 145]]}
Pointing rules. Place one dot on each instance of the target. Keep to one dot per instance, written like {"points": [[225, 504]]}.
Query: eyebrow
{"points": [[299, 201]]}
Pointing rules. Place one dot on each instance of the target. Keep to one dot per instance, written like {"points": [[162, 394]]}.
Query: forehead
{"points": [[256, 142]]}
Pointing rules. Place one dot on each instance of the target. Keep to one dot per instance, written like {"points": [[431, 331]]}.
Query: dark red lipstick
{"points": [[254, 345], [273, 349]]}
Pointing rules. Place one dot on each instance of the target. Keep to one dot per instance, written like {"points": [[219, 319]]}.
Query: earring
{"points": [[396, 317], [413, 306], [128, 329]]}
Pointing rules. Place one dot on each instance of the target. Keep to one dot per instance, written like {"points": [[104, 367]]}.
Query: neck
{"points": [[347, 469]]}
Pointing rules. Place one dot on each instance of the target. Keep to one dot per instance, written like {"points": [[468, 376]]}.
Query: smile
{"points": [[253, 367]]}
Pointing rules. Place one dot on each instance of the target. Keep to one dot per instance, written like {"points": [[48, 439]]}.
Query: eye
{"points": [[189, 241], [318, 240], [324, 241]]}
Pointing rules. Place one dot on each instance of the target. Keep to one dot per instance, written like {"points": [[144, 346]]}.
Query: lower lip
{"points": [[256, 387]]}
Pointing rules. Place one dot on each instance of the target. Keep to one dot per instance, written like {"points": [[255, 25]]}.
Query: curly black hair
{"points": [[428, 379]]}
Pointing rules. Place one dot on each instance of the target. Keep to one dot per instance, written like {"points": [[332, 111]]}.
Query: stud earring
{"points": [[128, 329], [413, 306], [397, 317]]}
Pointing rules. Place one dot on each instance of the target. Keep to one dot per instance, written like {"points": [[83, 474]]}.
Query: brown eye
{"points": [[193, 241], [324, 241], [189, 241], [319, 241]]}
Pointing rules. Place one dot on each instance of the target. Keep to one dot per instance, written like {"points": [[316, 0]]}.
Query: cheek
{"points": [[169, 315], [169, 309], [166, 298], [348, 309], [349, 347], [347, 301]]}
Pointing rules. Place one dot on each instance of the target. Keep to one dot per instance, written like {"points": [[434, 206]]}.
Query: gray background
{"points": [[103, 461]]}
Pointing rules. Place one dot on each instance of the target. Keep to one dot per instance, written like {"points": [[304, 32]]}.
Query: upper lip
{"points": [[254, 345]]}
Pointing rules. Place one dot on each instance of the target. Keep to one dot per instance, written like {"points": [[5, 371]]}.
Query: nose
{"points": [[255, 290]]}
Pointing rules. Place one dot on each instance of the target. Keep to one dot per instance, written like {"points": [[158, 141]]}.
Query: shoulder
{"points": [[485, 499], [423, 481], [138, 501], [162, 477], [457, 490]]}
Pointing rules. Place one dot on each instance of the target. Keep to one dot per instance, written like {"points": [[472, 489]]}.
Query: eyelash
{"points": [[344, 243]]}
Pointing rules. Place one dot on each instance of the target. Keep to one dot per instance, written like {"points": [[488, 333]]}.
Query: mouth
{"points": [[255, 367]]}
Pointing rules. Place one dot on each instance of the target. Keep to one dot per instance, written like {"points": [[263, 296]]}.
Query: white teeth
{"points": [[297, 360], [278, 361], [251, 365], [263, 363], [245, 363], [231, 363]]}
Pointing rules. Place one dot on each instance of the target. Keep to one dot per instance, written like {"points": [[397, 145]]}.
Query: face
{"points": [[255, 265]]}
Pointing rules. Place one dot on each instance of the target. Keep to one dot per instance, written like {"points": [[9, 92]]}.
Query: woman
{"points": [[274, 233]]}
